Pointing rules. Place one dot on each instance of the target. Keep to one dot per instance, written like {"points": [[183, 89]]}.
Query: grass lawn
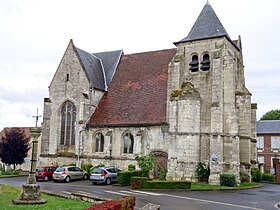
{"points": [[204, 186], [7, 193]]}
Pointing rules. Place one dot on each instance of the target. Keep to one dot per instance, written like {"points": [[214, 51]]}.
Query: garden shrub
{"points": [[202, 171], [131, 167], [161, 172], [145, 183], [11, 172], [97, 166], [87, 167], [256, 175], [124, 177], [267, 177], [228, 180], [146, 163], [244, 177]]}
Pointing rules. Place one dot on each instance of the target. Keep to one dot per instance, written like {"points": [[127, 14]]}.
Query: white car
{"points": [[104, 175], [68, 173]]}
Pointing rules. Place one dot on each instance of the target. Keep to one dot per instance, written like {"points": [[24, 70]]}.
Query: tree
{"points": [[271, 115], [146, 163], [14, 146]]}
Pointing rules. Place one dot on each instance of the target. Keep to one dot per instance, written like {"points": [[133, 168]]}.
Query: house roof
{"points": [[137, 93], [100, 67], [206, 26], [268, 126]]}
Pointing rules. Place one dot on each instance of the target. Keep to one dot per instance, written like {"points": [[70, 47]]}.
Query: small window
{"points": [[194, 63], [205, 63], [67, 77], [275, 142], [128, 142], [260, 142], [99, 142]]}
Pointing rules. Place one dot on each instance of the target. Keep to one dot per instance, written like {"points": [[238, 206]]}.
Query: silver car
{"points": [[68, 173], [104, 175]]}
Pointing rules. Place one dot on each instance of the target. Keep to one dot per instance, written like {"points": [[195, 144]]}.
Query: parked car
{"points": [[44, 173], [104, 175], [68, 173]]}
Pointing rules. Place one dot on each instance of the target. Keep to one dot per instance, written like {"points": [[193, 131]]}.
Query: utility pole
{"points": [[37, 117]]}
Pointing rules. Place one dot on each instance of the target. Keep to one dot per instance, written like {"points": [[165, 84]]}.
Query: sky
{"points": [[35, 33]]}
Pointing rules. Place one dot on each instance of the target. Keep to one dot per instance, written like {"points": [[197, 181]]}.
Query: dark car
{"points": [[68, 173], [104, 175], [44, 173]]}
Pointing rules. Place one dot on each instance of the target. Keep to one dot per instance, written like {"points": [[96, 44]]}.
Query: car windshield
{"points": [[39, 169], [60, 169]]}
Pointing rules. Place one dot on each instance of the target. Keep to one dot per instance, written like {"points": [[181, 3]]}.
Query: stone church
{"points": [[184, 105]]}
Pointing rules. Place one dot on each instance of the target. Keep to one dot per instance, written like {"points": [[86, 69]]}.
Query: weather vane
{"points": [[37, 117]]}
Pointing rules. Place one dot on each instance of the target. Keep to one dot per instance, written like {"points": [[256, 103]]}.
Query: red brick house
{"points": [[268, 144]]}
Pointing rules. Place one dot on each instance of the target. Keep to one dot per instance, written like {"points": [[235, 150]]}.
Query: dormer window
{"points": [[194, 63], [205, 63]]}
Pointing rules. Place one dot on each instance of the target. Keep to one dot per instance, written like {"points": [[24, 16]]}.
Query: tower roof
{"points": [[206, 26]]}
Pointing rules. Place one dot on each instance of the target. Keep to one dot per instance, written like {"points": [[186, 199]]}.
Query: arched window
{"points": [[194, 63], [68, 124], [205, 63], [99, 142], [128, 142]]}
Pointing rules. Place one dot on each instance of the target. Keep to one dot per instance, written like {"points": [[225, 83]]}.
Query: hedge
{"points": [[124, 177], [145, 183], [228, 180]]}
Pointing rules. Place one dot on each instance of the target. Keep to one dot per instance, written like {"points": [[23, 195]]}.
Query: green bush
{"points": [[145, 162], [145, 183], [131, 167], [256, 175], [267, 177], [161, 172], [202, 171], [228, 180], [11, 172], [124, 177], [87, 167], [244, 177]]}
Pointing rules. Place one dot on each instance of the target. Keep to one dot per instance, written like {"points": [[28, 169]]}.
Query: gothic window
{"points": [[205, 63], [99, 142], [68, 124], [194, 63], [128, 142]]}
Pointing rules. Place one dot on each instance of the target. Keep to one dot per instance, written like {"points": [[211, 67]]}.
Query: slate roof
{"points": [[206, 26], [268, 127], [138, 92], [100, 67]]}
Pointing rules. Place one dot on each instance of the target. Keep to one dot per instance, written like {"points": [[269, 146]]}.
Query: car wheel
{"points": [[108, 181], [46, 178], [67, 179], [85, 177]]}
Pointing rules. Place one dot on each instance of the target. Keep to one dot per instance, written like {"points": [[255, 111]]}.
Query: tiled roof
{"points": [[207, 25], [100, 67], [268, 126], [138, 92]]}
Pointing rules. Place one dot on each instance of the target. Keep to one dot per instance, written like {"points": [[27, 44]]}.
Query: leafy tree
{"points": [[14, 146], [271, 115], [146, 163]]}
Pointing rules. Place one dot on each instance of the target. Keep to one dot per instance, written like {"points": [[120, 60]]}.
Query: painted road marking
{"points": [[214, 202], [133, 193], [117, 193]]}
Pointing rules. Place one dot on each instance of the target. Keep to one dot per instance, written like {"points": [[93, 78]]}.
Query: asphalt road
{"points": [[259, 198]]}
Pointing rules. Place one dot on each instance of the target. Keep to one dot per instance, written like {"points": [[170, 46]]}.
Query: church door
{"points": [[160, 168]]}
